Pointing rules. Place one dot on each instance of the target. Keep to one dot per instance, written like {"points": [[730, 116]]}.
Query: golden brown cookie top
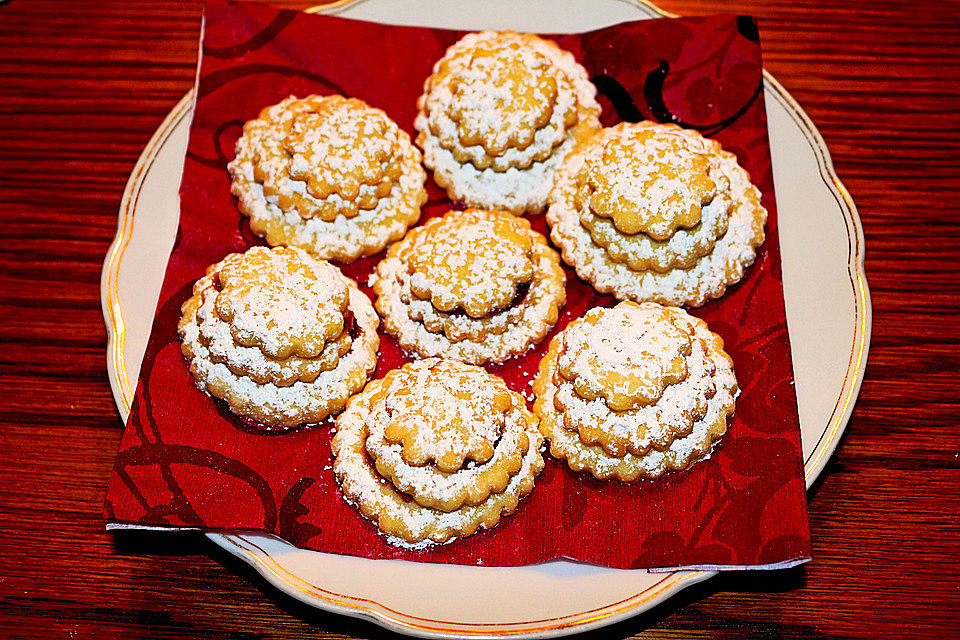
{"points": [[472, 260], [282, 300], [626, 355], [339, 145], [444, 412], [324, 155], [504, 100], [216, 336], [647, 180], [503, 93]]}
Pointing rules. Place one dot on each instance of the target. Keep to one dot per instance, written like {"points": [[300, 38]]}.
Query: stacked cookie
{"points": [[497, 116], [475, 285], [634, 392], [652, 212], [329, 174], [283, 337], [436, 450]]}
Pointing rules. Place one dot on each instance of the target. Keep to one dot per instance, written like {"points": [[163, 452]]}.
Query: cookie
{"points": [[498, 114], [652, 212], [328, 174], [475, 285], [282, 337], [436, 450], [634, 392]]}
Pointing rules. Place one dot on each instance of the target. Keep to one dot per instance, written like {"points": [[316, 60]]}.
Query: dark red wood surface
{"points": [[83, 85]]}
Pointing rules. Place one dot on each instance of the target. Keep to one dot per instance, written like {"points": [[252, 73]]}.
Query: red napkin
{"points": [[186, 461]]}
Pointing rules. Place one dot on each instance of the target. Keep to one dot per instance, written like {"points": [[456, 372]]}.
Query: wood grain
{"points": [[83, 85]]}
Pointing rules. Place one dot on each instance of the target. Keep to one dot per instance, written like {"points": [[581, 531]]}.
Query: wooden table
{"points": [[83, 85]]}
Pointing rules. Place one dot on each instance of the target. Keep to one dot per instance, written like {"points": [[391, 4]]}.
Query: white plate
{"points": [[828, 314]]}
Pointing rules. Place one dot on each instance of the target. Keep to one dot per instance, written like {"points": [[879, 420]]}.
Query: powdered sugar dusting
{"points": [[498, 114], [337, 197], [271, 404], [650, 440], [457, 325], [707, 278], [477, 410], [627, 355], [342, 145], [646, 180], [408, 522], [215, 334], [540, 309], [445, 414], [500, 96], [282, 301], [473, 260]]}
